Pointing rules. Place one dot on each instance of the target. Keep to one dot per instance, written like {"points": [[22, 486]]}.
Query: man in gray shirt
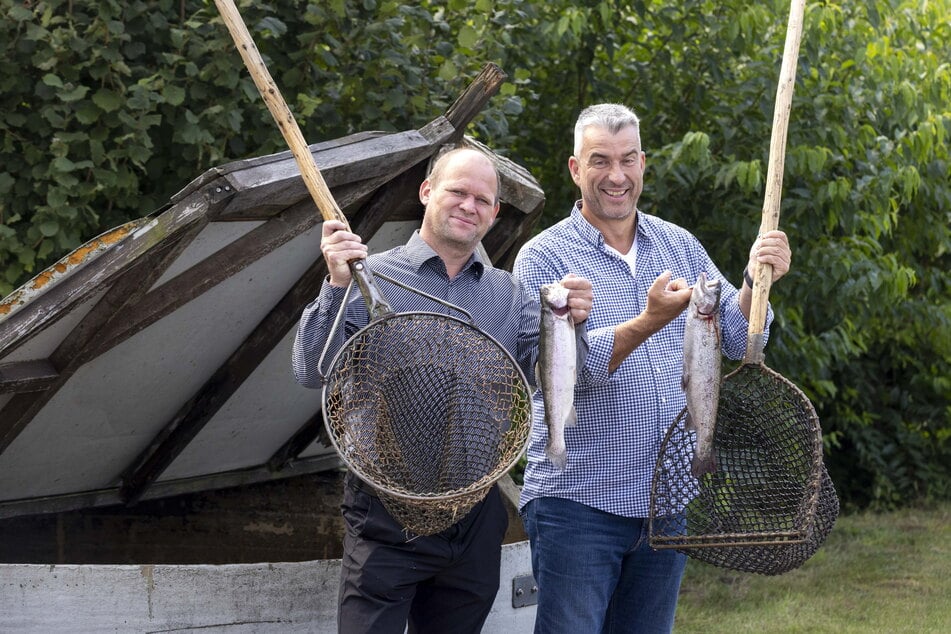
{"points": [[447, 581]]}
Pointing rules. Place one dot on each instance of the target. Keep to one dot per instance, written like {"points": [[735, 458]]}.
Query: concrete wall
{"points": [[199, 563], [274, 597]]}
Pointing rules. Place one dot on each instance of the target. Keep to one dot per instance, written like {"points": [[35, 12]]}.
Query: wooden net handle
{"points": [[762, 275], [281, 112]]}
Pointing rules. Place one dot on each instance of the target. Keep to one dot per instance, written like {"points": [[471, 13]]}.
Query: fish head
{"points": [[706, 295], [554, 296]]}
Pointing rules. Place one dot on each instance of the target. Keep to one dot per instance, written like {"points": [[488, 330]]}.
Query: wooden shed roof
{"points": [[154, 360]]}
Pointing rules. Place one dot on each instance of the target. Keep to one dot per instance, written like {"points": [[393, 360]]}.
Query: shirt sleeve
{"points": [[533, 271], [529, 321], [312, 332]]}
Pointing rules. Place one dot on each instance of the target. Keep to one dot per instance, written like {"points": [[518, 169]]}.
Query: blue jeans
{"points": [[596, 572]]}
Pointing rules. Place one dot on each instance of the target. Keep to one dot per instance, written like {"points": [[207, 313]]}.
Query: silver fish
{"points": [[701, 374], [556, 370]]}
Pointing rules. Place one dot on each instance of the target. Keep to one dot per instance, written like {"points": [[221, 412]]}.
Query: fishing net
{"points": [[430, 412], [770, 503]]}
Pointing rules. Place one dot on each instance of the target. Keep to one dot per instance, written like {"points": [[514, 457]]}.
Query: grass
{"points": [[875, 573]]}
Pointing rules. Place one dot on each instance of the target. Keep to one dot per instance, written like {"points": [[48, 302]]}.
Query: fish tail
{"points": [[557, 455], [703, 464]]}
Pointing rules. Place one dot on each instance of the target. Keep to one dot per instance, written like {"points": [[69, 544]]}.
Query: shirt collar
{"points": [[420, 254], [590, 233]]}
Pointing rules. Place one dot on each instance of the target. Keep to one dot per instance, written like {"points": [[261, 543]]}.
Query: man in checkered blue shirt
{"points": [[587, 524]]}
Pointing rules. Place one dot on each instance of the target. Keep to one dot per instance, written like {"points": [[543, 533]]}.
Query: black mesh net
{"points": [[429, 411], [770, 503]]}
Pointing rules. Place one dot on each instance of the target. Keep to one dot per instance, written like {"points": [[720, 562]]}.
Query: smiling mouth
{"points": [[615, 193]]}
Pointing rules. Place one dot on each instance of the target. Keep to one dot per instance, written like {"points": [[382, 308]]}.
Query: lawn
{"points": [[875, 573]]}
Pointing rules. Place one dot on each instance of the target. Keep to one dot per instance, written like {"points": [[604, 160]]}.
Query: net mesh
{"points": [[770, 503], [430, 412]]}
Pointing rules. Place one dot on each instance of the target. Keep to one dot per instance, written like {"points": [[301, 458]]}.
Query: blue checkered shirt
{"points": [[499, 306], [622, 416]]}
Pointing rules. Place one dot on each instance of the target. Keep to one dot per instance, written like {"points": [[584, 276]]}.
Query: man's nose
{"points": [[617, 174], [468, 203]]}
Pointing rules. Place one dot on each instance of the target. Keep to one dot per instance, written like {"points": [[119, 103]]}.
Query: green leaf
{"points": [[447, 70], [174, 95], [468, 37], [108, 100], [52, 80], [49, 228], [71, 94], [87, 112]]}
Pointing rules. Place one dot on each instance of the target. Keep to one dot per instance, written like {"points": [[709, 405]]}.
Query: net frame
{"points": [[770, 503], [428, 410]]}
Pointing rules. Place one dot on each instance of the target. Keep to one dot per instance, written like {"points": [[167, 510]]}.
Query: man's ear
{"points": [[574, 167], [425, 190]]}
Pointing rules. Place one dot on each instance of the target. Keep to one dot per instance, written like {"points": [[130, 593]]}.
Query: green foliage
{"points": [[110, 107]]}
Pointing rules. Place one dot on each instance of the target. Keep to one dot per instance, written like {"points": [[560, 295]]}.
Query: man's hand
{"points": [[339, 247], [771, 248], [580, 296], [666, 299]]}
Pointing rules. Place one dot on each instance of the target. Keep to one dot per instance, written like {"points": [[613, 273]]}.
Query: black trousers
{"points": [[439, 584]]}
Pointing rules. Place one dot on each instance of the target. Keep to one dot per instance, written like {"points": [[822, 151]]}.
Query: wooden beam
{"points": [[474, 98], [195, 413], [268, 189], [301, 440], [85, 340], [111, 496], [27, 376]]}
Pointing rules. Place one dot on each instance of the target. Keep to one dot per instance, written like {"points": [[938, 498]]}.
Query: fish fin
{"points": [[572, 418], [688, 421], [684, 380]]}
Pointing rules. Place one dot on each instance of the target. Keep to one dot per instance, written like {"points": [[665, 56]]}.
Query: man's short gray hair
{"points": [[611, 116]]}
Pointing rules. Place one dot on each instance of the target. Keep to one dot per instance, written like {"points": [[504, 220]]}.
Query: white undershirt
{"points": [[630, 257]]}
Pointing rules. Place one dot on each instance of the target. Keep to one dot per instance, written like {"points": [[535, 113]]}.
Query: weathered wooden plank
{"points": [[84, 341], [473, 99], [517, 186], [27, 376], [217, 172], [301, 440], [111, 496], [277, 185], [97, 270]]}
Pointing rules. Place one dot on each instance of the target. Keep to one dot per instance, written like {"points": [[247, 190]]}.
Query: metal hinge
{"points": [[524, 591]]}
